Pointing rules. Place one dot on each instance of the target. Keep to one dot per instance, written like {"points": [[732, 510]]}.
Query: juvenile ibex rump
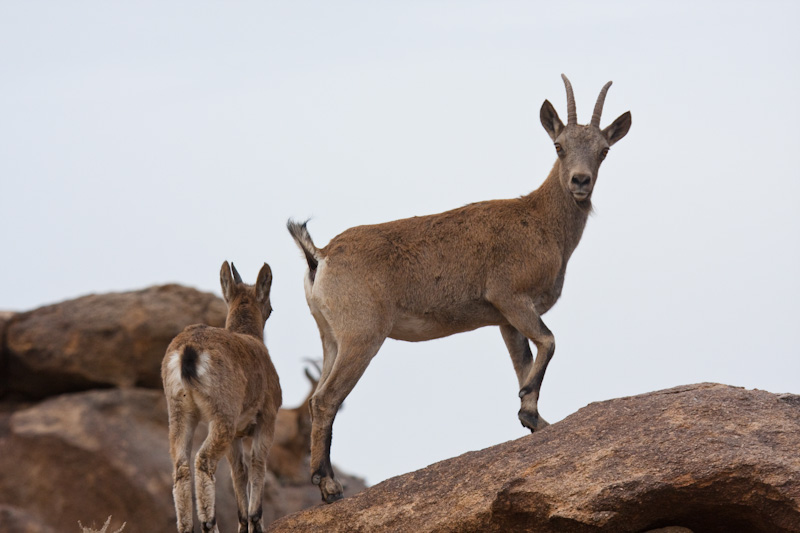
{"points": [[494, 263], [225, 377]]}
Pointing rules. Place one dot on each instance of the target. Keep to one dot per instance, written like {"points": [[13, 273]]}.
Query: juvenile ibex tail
{"points": [[300, 235], [189, 359]]}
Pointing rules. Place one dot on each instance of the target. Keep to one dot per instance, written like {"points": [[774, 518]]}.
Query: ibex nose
{"points": [[581, 180]]}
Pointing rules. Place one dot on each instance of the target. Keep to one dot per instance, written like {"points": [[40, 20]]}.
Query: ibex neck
{"points": [[558, 205], [243, 321]]}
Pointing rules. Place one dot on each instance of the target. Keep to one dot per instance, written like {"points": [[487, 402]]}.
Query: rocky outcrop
{"points": [[88, 455], [710, 458], [67, 456], [99, 341], [14, 520]]}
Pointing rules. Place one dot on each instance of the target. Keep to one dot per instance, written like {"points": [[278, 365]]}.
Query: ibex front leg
{"points": [[520, 350], [525, 324]]}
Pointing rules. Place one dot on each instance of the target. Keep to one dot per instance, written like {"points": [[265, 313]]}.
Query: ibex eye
{"points": [[604, 153], [558, 148]]}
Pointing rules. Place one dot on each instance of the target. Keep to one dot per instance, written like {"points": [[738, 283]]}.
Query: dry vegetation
{"points": [[85, 529]]}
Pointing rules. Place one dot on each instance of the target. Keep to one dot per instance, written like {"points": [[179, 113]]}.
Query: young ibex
{"points": [[499, 262], [225, 377]]}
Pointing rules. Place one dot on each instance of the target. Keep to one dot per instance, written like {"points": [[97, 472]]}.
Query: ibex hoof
{"points": [[330, 498], [331, 490], [532, 421], [529, 420], [255, 522]]}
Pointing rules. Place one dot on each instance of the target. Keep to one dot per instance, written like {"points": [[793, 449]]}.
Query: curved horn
{"points": [[598, 107], [236, 277], [572, 113]]}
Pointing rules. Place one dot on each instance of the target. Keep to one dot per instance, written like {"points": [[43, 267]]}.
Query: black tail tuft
{"points": [[189, 364], [303, 239]]}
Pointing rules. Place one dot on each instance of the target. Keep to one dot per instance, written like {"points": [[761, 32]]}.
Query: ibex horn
{"points": [[572, 113], [598, 107], [236, 277]]}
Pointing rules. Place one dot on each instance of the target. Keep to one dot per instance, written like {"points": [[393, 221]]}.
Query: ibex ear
{"points": [[227, 283], [552, 124], [618, 129], [263, 285]]}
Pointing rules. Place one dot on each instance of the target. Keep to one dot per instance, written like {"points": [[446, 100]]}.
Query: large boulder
{"points": [[5, 319], [14, 520], [100, 341], [706, 457], [85, 456], [89, 455]]}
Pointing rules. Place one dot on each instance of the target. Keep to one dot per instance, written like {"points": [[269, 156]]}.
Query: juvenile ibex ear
{"points": [[263, 284], [552, 124], [618, 129], [227, 283]]}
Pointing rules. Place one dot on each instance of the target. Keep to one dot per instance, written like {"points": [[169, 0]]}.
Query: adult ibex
{"points": [[226, 377], [494, 263]]}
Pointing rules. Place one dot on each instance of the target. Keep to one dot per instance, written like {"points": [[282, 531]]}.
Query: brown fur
{"points": [[232, 384], [288, 459], [498, 262]]}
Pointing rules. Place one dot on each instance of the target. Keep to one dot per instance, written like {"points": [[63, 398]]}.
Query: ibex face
{"points": [[581, 149]]}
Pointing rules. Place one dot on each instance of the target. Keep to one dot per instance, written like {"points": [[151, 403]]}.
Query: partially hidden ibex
{"points": [[288, 459], [225, 377], [493, 263]]}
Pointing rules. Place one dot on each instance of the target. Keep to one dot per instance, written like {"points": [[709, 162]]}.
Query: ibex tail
{"points": [[189, 360], [301, 236]]}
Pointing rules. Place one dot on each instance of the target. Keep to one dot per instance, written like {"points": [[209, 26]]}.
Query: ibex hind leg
{"points": [[354, 354], [182, 424], [239, 473], [262, 442], [220, 435], [329, 350]]}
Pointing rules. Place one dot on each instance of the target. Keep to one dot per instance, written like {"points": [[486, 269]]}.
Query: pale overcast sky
{"points": [[143, 143]]}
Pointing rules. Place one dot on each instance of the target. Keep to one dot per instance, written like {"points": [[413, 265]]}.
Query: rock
{"points": [[89, 455], [706, 457], [13, 520], [100, 341], [5, 318], [85, 456]]}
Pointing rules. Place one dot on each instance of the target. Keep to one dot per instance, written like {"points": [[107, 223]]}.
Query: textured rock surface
{"points": [[14, 520], [106, 340], [706, 457], [85, 456], [5, 319], [89, 455]]}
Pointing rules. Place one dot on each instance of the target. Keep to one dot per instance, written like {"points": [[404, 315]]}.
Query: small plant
{"points": [[85, 529]]}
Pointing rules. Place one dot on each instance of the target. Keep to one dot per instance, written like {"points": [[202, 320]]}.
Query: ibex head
{"points": [[242, 298], [581, 149]]}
